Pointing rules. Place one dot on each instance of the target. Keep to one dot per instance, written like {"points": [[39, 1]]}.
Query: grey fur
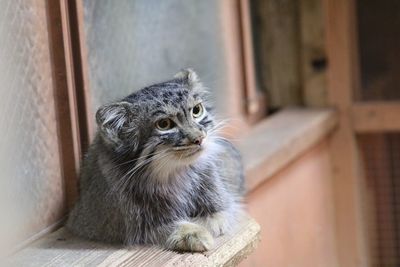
{"points": [[140, 185]]}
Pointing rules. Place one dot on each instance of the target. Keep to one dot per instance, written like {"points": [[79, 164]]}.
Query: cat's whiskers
{"points": [[180, 148], [126, 178], [144, 163], [226, 124], [214, 131], [135, 159], [161, 172], [166, 167]]}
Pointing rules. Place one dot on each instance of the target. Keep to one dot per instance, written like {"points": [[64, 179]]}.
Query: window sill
{"points": [[280, 139]]}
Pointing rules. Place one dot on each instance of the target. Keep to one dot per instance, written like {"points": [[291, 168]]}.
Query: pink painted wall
{"points": [[295, 211]]}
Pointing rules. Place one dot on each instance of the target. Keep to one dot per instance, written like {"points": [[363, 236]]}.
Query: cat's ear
{"points": [[190, 77], [116, 123]]}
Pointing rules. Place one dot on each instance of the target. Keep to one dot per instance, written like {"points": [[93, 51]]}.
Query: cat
{"points": [[158, 173]]}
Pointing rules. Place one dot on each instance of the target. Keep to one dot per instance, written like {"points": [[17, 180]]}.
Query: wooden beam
{"points": [[376, 117], [348, 181], [255, 99], [81, 71], [233, 53], [64, 87]]}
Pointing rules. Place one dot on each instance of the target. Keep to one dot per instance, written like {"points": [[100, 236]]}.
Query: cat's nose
{"points": [[198, 140]]}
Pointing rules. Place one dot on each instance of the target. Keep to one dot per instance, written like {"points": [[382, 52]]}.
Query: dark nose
{"points": [[198, 140]]}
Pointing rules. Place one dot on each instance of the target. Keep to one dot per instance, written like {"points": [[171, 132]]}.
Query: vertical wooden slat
{"points": [[63, 79], [81, 71], [255, 99], [347, 174], [231, 35]]}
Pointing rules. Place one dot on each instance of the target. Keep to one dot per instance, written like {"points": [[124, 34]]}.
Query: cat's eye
{"points": [[164, 124], [197, 111]]}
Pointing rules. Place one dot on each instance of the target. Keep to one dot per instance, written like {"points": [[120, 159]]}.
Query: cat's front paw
{"points": [[190, 237], [216, 223]]}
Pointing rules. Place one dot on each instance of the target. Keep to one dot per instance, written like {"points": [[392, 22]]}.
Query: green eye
{"points": [[197, 110], [164, 124]]}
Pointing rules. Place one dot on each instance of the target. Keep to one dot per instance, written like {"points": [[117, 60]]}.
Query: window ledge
{"points": [[281, 138], [63, 249]]}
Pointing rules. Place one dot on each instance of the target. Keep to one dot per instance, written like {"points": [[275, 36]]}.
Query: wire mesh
{"points": [[381, 156], [31, 186]]}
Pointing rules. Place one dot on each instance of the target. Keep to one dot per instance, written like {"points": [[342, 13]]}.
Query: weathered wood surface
{"points": [[63, 249], [280, 139]]}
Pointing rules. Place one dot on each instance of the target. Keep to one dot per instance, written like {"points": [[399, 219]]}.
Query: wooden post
{"points": [[64, 87], [348, 179], [81, 71], [255, 99]]}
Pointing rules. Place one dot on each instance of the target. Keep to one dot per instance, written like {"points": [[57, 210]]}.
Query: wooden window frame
{"points": [[355, 117], [65, 95]]}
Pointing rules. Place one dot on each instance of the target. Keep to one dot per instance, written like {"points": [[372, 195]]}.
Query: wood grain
{"points": [[63, 249], [64, 91]]}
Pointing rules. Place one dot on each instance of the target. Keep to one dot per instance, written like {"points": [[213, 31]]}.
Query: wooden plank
{"points": [[67, 117], [255, 99], [376, 117], [280, 139], [63, 249], [81, 71], [348, 182], [233, 53], [313, 54]]}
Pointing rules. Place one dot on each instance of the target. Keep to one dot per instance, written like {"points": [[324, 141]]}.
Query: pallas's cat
{"points": [[158, 173]]}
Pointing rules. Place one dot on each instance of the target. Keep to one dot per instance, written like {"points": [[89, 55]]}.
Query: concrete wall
{"points": [[295, 210]]}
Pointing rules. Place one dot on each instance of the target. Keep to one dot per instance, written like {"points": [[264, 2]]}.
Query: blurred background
{"points": [[311, 89]]}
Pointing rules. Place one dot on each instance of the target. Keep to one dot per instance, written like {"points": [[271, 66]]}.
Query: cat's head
{"points": [[169, 123]]}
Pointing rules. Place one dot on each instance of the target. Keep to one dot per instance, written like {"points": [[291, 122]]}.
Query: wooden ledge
{"points": [[280, 139], [63, 249]]}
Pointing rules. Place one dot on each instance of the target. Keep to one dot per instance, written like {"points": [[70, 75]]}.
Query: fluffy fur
{"points": [[178, 187]]}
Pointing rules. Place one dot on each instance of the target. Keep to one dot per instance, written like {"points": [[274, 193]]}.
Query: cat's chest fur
{"points": [[192, 192]]}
